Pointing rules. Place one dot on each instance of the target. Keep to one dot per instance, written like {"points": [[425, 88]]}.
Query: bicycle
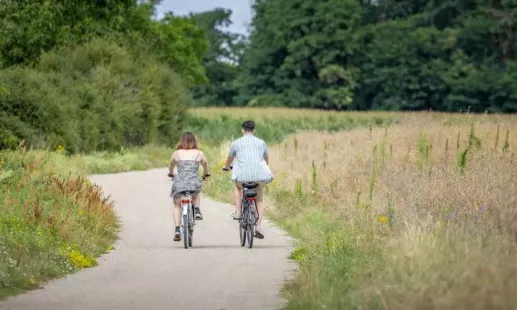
{"points": [[188, 220], [249, 213]]}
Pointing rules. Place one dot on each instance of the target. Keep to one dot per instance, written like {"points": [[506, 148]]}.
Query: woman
{"points": [[187, 158]]}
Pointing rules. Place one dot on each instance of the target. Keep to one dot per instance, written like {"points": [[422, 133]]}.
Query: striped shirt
{"points": [[249, 164]]}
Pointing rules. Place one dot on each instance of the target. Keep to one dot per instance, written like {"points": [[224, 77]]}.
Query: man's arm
{"points": [[231, 155], [228, 162]]}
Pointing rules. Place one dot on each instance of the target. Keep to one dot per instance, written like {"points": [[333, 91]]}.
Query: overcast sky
{"points": [[241, 9]]}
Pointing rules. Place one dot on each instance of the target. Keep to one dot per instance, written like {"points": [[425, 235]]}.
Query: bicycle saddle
{"points": [[250, 185]]}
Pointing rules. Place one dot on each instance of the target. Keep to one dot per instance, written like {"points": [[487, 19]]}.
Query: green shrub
{"points": [[97, 96]]}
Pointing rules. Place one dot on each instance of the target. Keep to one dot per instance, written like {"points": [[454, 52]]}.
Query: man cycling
{"points": [[251, 165]]}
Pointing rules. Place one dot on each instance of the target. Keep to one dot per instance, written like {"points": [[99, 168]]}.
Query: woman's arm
{"points": [[172, 163], [204, 163]]}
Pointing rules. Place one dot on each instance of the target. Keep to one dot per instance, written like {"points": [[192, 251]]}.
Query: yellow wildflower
{"points": [[383, 220], [79, 260]]}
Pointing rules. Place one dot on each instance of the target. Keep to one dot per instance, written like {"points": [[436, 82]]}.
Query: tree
{"points": [[182, 45], [28, 28], [448, 55], [221, 60], [300, 52]]}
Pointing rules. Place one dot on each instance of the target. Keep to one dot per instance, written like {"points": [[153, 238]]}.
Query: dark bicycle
{"points": [[249, 213]]}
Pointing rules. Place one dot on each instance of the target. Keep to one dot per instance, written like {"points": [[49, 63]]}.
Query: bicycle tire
{"points": [[191, 226], [185, 230], [250, 227], [242, 224], [242, 232]]}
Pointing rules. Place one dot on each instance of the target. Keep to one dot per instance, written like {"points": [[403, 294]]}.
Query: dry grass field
{"points": [[419, 215]]}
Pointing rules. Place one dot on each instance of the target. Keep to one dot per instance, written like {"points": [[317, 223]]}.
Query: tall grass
{"points": [[52, 220], [416, 225], [214, 125], [217, 127]]}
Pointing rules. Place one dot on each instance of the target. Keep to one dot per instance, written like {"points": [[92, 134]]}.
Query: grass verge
{"points": [[52, 220]]}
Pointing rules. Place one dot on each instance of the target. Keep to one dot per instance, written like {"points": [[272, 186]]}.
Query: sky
{"points": [[241, 16]]}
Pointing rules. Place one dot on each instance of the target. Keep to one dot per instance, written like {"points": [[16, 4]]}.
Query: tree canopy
{"points": [[95, 75], [448, 55]]}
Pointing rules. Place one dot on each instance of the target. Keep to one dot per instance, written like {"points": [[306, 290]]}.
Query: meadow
{"points": [[54, 222], [389, 210], [420, 215], [416, 215]]}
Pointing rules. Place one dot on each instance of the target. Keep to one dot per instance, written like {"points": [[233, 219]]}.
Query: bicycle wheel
{"points": [[186, 229], [251, 225], [242, 224], [191, 226]]}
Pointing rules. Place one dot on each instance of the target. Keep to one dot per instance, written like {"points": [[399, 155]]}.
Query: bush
{"points": [[97, 96]]}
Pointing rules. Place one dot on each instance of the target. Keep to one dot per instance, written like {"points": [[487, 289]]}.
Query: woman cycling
{"points": [[187, 158]]}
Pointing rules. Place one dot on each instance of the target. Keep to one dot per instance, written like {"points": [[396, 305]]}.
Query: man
{"points": [[251, 165]]}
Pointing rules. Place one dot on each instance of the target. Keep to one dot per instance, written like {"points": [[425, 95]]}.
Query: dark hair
{"points": [[248, 126], [187, 142]]}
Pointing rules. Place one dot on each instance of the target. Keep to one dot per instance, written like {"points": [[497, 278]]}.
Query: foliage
{"points": [[221, 60], [182, 45], [95, 75], [420, 55], [96, 96]]}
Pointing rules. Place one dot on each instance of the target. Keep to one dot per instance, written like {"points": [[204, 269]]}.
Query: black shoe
{"points": [[198, 214], [177, 234], [258, 234]]}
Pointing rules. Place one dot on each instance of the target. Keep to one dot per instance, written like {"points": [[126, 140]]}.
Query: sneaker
{"points": [[177, 234], [235, 216], [198, 214], [258, 234]]}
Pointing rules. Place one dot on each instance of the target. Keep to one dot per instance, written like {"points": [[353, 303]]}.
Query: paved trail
{"points": [[148, 270]]}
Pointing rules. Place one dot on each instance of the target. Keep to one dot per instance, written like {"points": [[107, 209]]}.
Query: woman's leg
{"points": [[177, 220], [197, 210]]}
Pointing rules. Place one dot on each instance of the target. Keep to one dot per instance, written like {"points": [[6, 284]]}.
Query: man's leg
{"points": [[237, 193], [260, 209]]}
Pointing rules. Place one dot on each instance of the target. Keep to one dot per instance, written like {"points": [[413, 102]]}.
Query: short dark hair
{"points": [[248, 126]]}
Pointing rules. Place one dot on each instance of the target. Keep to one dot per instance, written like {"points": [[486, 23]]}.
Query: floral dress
{"points": [[186, 178]]}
